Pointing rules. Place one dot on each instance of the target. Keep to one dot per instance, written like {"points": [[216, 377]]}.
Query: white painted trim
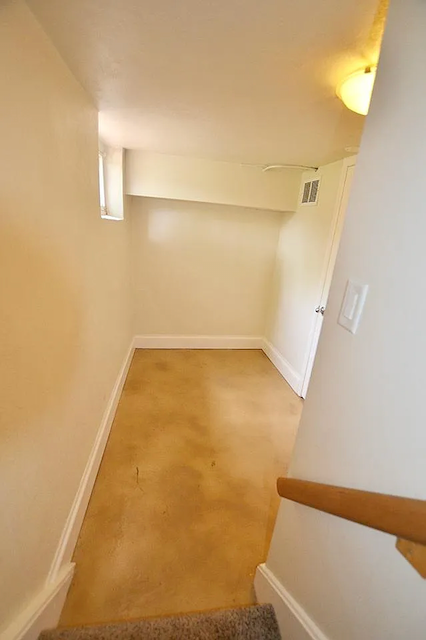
{"points": [[43, 611], [293, 621], [197, 342], [74, 521], [289, 374]]}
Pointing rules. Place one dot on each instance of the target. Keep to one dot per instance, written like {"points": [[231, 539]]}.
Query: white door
{"points": [[328, 273]]}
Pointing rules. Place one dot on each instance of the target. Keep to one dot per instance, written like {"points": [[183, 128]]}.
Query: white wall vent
{"points": [[310, 192]]}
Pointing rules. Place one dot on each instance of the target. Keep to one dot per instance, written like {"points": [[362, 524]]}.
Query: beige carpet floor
{"points": [[257, 622], [185, 502]]}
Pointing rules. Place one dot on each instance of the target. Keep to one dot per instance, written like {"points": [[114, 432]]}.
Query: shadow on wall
{"points": [[39, 326]]}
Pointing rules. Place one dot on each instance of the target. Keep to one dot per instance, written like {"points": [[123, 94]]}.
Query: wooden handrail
{"points": [[401, 517]]}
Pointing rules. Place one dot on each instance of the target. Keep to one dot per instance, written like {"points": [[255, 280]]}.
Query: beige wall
{"points": [[201, 269], [64, 324], [299, 272], [165, 176], [364, 420]]}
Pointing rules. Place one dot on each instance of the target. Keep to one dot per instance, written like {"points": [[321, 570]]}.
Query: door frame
{"points": [[327, 272]]}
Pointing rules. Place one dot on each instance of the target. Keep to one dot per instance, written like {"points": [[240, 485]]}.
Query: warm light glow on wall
{"points": [[355, 91]]}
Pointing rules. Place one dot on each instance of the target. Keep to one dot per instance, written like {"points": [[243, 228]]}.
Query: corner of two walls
{"points": [[204, 237]]}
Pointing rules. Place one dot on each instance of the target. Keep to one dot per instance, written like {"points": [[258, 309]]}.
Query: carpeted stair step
{"points": [[247, 623]]}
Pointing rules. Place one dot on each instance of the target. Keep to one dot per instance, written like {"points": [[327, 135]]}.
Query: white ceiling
{"points": [[239, 80]]}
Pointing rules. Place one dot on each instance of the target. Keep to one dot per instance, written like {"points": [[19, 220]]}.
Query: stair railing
{"points": [[404, 518]]}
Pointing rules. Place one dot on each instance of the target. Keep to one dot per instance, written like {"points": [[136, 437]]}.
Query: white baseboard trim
{"points": [[283, 366], [293, 621], [197, 342], [43, 611], [75, 518]]}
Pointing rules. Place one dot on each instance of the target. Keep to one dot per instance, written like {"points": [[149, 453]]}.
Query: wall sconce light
{"points": [[355, 90]]}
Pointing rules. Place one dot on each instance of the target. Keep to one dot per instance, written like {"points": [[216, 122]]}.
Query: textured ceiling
{"points": [[238, 80]]}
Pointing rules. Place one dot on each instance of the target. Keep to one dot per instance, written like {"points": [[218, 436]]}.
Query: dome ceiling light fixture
{"points": [[355, 90]]}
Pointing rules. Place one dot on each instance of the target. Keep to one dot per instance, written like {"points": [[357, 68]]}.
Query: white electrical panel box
{"points": [[353, 304]]}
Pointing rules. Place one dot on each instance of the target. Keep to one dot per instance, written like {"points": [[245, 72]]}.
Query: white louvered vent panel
{"points": [[310, 192], [313, 196], [306, 192]]}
